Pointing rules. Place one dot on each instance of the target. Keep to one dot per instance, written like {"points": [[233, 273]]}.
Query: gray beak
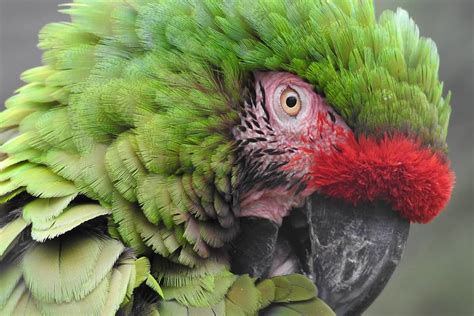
{"points": [[350, 252]]}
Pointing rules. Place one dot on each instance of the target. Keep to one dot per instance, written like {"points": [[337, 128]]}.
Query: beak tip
{"points": [[356, 250]]}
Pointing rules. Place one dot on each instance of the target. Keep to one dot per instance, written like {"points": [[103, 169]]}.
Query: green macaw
{"points": [[148, 167]]}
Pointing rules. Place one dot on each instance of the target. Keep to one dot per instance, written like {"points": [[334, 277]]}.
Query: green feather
{"points": [[10, 232], [142, 267], [66, 221], [153, 284], [13, 117], [27, 306], [90, 304], [41, 182], [8, 186], [43, 210], [69, 268], [8, 196], [9, 280], [120, 287], [293, 287], [307, 308], [267, 291], [243, 298], [13, 299], [10, 172], [127, 219]]}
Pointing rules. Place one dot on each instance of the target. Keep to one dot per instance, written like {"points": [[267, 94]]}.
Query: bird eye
{"points": [[290, 102]]}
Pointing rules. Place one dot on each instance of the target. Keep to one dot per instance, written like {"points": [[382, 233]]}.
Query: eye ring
{"points": [[290, 101]]}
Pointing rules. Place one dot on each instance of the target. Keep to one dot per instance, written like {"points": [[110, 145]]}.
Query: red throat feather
{"points": [[416, 181]]}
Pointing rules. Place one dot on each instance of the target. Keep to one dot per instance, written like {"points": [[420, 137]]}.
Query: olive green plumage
{"points": [[133, 109]]}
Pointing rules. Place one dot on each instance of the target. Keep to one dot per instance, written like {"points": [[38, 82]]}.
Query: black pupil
{"points": [[291, 101]]}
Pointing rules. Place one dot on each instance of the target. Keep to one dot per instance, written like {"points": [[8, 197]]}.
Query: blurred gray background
{"points": [[435, 276]]}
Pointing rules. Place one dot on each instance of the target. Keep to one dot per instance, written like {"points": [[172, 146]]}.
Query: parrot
{"points": [[204, 157]]}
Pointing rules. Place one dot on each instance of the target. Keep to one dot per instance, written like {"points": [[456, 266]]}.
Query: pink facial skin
{"points": [[289, 139]]}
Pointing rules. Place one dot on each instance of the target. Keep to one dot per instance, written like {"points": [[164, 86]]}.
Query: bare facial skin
{"points": [[282, 122]]}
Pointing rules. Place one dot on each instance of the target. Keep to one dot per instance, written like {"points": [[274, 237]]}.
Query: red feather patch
{"points": [[416, 181]]}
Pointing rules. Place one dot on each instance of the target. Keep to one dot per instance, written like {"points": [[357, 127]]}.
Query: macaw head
{"points": [[341, 158], [355, 192]]}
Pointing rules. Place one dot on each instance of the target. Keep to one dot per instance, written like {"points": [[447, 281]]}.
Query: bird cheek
{"points": [[416, 181]]}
